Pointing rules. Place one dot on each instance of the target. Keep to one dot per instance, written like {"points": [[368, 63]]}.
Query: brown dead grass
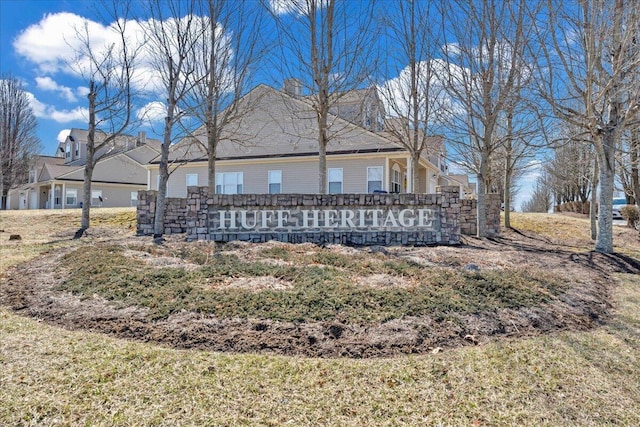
{"points": [[51, 376]]}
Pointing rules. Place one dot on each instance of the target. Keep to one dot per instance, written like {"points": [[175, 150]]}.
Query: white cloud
{"points": [[44, 111], [452, 49], [154, 111], [50, 85], [55, 45], [63, 134], [396, 92], [82, 91], [39, 109], [284, 7], [52, 43], [66, 116]]}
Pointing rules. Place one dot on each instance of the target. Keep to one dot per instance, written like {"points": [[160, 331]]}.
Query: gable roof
{"points": [[122, 143], [279, 125], [52, 171]]}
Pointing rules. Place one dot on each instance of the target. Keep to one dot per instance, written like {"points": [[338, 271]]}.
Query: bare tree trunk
{"points": [[507, 192], [322, 166], [323, 141], [158, 220], [606, 164], [482, 192], [593, 210], [211, 157], [91, 151], [634, 156], [415, 164], [3, 195], [508, 171]]}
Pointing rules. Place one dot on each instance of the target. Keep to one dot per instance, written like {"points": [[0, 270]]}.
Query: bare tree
{"points": [[540, 200], [108, 69], [521, 136], [483, 63], [415, 98], [326, 44], [592, 53], [223, 58], [18, 139], [570, 170], [634, 163], [173, 34]]}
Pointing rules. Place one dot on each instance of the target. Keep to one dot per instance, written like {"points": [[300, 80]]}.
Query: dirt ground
{"points": [[29, 289]]}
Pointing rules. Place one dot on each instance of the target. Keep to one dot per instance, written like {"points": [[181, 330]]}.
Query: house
{"points": [[273, 148], [56, 182], [467, 189]]}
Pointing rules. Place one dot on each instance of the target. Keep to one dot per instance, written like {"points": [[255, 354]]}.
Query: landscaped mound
{"points": [[309, 300]]}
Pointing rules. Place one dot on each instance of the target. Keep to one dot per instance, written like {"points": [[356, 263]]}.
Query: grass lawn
{"points": [[51, 376]]}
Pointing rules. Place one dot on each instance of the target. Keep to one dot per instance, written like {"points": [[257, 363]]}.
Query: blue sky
{"points": [[58, 98], [34, 46]]}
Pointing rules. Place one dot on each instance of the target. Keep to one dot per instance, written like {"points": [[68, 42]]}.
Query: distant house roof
{"points": [[122, 143], [52, 171], [279, 125]]}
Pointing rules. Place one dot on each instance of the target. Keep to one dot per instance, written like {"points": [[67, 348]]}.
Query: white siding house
{"points": [[56, 182], [273, 147]]}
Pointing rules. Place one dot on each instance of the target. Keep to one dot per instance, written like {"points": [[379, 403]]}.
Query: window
{"points": [[334, 176], [374, 179], [229, 183], [134, 198], [67, 151], [396, 179], [76, 150], [275, 182], [71, 197], [96, 197], [192, 180], [32, 176]]}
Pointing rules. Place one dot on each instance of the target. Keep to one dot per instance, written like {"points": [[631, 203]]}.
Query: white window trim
{"points": [[187, 179], [341, 180], [96, 194], [71, 191], [269, 182], [134, 193], [396, 168], [220, 182], [381, 168]]}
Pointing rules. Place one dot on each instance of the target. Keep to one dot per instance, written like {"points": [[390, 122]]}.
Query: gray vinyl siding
{"points": [[113, 196], [115, 169], [298, 176], [422, 181]]}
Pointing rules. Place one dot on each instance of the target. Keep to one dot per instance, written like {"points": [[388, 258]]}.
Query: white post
{"points": [[386, 175], [409, 188]]}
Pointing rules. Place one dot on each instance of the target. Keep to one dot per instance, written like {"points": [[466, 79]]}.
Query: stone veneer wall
{"points": [[192, 216], [175, 217], [469, 215]]}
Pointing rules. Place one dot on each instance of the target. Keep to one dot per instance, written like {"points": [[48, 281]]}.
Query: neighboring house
{"points": [[57, 182], [467, 189]]}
